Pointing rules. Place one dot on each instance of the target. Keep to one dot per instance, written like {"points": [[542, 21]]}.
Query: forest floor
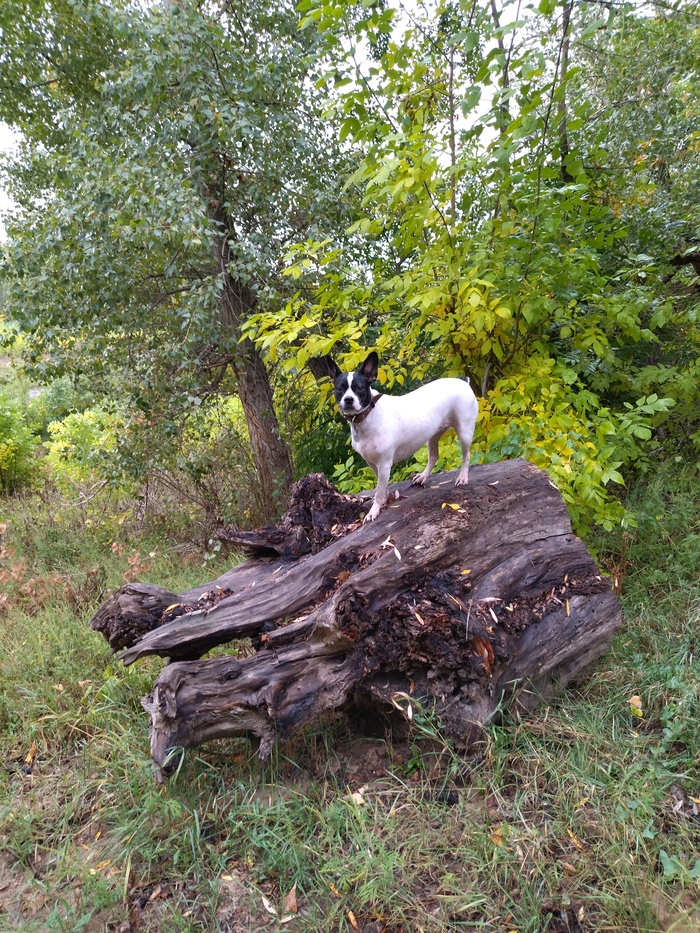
{"points": [[582, 816]]}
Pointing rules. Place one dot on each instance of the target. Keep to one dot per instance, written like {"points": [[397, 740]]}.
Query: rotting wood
{"points": [[455, 596]]}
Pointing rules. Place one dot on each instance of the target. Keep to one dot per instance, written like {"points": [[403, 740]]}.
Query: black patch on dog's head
{"points": [[370, 367], [353, 391]]}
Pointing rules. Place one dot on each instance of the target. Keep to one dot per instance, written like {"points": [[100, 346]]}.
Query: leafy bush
{"points": [[81, 444], [54, 403], [17, 445]]}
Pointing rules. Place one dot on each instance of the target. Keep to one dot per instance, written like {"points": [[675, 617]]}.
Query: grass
{"points": [[578, 817]]}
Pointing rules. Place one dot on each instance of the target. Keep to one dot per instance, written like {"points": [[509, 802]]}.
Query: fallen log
{"points": [[457, 597]]}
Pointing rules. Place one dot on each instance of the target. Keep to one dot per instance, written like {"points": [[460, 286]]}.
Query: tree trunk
{"points": [[562, 126], [455, 597], [270, 452]]}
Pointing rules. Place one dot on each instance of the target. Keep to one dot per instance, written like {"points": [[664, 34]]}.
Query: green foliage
{"points": [[486, 196], [81, 444], [54, 403], [200, 134], [18, 467], [493, 243]]}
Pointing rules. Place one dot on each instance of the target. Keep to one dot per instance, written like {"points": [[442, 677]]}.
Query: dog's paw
{"points": [[372, 514], [418, 480], [461, 481]]}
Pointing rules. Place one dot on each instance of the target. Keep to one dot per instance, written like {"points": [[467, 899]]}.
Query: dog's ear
{"points": [[370, 367], [322, 366]]}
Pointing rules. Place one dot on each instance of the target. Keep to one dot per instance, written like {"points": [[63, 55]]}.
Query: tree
{"points": [[165, 209], [641, 77], [494, 241]]}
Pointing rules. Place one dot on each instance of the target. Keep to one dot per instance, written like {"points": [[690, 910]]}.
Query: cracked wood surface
{"points": [[455, 597]]}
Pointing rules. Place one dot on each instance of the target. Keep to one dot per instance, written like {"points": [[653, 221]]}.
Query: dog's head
{"points": [[353, 391]]}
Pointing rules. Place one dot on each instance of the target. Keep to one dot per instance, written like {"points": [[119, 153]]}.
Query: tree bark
{"points": [[456, 598], [562, 126], [270, 452]]}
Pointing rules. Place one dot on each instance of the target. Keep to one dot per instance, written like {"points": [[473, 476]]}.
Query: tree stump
{"points": [[456, 597]]}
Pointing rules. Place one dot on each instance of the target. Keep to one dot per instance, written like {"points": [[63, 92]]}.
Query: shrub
{"points": [[81, 444], [17, 445]]}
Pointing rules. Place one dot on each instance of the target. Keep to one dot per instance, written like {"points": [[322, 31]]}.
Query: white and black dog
{"points": [[389, 428]]}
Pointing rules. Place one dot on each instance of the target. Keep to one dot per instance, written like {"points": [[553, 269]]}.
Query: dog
{"points": [[389, 428]]}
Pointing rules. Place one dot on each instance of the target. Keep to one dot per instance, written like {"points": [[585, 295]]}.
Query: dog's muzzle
{"points": [[358, 417]]}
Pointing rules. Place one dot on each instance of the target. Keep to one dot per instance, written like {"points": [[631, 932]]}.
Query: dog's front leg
{"points": [[382, 470]]}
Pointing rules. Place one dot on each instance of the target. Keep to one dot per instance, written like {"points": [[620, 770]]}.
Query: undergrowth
{"points": [[581, 816]]}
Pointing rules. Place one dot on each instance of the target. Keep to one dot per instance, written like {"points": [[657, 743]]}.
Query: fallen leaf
{"points": [[170, 608], [463, 572], [343, 576], [496, 836], [493, 484], [31, 754], [290, 901], [636, 706], [574, 838], [408, 712], [358, 798], [268, 906], [568, 609], [484, 650], [396, 551], [353, 920]]}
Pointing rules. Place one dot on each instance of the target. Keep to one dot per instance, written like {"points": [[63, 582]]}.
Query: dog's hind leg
{"points": [[465, 433], [433, 453]]}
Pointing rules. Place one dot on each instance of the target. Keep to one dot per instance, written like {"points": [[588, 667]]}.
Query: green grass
{"points": [[562, 820]]}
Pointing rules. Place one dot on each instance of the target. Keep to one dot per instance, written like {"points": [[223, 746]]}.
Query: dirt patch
{"points": [[15, 893]]}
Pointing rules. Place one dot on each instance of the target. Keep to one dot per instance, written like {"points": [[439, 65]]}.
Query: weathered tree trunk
{"points": [[270, 453], [456, 597]]}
